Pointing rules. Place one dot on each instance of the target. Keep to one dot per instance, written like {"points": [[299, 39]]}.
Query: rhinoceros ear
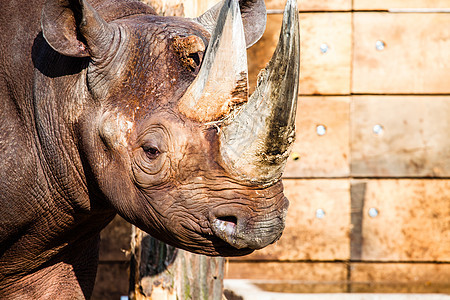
{"points": [[253, 18], [74, 28]]}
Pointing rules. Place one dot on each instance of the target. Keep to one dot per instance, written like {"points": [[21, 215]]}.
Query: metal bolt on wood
{"points": [[373, 212], [321, 130], [378, 129], [320, 213], [324, 48], [380, 45]]}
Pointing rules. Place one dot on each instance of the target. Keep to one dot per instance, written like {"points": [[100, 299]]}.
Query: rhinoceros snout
{"points": [[253, 232]]}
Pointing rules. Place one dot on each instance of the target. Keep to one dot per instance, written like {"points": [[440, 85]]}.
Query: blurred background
{"points": [[369, 176]]}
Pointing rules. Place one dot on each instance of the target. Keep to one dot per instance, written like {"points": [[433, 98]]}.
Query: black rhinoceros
{"points": [[107, 108]]}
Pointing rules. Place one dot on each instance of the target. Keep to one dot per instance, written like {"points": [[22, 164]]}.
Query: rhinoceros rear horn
{"points": [[254, 18], [63, 21], [221, 84]]}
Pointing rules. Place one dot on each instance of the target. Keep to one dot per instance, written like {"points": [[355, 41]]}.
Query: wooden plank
{"points": [[411, 142], [394, 4], [322, 146], [415, 58], [400, 278], [406, 220], [320, 73], [309, 233], [167, 7], [301, 271], [195, 8], [301, 277], [186, 8], [115, 241], [313, 5]]}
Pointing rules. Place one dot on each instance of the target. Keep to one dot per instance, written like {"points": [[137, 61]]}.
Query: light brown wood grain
{"points": [[320, 73], [186, 8], [413, 221], [307, 237], [197, 7], [390, 4], [326, 155], [414, 139], [313, 5], [318, 277], [286, 271], [400, 278], [415, 58]]}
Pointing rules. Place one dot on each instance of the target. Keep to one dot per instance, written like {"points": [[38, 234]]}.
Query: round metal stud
{"points": [[324, 48], [321, 130], [378, 129], [373, 212], [380, 45], [320, 213]]}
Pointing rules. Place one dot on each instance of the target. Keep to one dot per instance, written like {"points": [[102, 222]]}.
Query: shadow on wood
{"points": [[159, 271]]}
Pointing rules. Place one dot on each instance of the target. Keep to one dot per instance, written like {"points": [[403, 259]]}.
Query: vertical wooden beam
{"points": [[162, 272]]}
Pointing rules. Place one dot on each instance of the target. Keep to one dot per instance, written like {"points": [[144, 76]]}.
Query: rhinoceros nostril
{"points": [[229, 219], [225, 227]]}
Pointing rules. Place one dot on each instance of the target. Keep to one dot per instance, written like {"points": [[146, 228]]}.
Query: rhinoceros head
{"points": [[173, 140]]}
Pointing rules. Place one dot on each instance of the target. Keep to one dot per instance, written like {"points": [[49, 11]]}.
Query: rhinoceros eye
{"points": [[151, 152]]}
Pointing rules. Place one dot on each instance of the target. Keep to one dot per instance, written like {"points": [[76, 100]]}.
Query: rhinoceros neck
{"points": [[47, 210], [58, 100], [52, 213]]}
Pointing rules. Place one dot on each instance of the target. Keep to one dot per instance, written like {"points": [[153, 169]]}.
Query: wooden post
{"points": [[162, 272]]}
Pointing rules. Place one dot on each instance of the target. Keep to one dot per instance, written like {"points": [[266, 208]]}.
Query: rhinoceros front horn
{"points": [[255, 141]]}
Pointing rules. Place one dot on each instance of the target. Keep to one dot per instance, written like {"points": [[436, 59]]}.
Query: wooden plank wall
{"points": [[369, 175]]}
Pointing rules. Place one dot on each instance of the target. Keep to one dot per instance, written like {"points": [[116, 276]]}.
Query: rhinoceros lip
{"points": [[227, 231]]}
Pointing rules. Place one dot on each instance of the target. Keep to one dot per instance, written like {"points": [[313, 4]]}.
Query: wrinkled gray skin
{"points": [[83, 138]]}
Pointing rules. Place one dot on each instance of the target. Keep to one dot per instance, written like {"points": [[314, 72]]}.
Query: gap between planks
{"points": [[423, 262]]}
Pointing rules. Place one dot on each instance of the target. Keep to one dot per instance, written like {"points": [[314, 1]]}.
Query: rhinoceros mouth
{"points": [[247, 238], [244, 233]]}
